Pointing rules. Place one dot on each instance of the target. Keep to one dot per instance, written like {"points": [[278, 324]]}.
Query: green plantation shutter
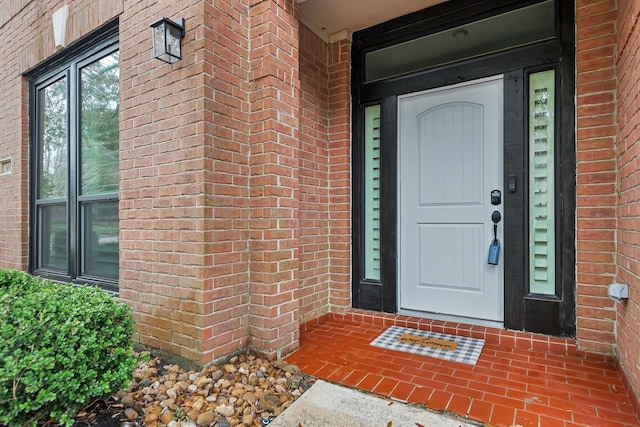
{"points": [[541, 183], [372, 193]]}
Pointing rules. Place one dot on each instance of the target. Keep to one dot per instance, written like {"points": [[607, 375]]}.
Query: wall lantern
{"points": [[167, 39]]}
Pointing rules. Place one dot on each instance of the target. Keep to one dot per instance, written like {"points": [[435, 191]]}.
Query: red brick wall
{"points": [[596, 173], [340, 174], [28, 25], [184, 167], [274, 178], [162, 204], [628, 202], [314, 176], [226, 150]]}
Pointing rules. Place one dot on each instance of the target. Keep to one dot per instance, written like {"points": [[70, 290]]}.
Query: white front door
{"points": [[450, 160]]}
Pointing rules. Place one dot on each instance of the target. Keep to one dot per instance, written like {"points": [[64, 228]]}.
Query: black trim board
{"points": [[389, 202], [567, 164], [514, 211]]}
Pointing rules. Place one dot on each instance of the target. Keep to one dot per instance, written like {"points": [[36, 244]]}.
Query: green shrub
{"points": [[18, 279], [61, 347]]}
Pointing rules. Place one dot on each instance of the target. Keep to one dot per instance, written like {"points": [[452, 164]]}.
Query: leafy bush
{"points": [[61, 347]]}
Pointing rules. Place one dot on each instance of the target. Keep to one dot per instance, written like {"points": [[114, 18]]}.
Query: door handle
{"points": [[494, 247]]}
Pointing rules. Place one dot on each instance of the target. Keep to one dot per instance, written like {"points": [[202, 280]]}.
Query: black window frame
{"points": [[67, 64]]}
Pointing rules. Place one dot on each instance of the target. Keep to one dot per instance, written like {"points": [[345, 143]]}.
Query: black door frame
{"points": [[554, 314]]}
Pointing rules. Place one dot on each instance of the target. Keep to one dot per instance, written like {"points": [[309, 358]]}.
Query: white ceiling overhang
{"points": [[328, 17]]}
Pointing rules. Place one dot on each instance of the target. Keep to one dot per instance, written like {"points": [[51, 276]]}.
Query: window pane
{"points": [[100, 242], [53, 237], [542, 276], [99, 121], [52, 141], [372, 193]]}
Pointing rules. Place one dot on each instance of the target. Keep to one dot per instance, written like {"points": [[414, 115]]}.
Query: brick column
{"points": [[184, 189], [628, 207], [340, 171], [274, 176], [595, 173], [226, 172], [161, 193], [314, 176]]}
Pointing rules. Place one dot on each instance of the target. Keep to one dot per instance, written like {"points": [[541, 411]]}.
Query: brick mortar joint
{"points": [[629, 35]]}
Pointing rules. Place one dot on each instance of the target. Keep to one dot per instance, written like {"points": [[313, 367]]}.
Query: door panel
{"points": [[450, 131], [444, 270], [450, 159]]}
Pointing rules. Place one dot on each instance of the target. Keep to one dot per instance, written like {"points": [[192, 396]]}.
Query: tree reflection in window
{"points": [[53, 140], [100, 107]]}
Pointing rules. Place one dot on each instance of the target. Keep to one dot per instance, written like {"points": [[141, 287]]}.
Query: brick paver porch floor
{"points": [[520, 379]]}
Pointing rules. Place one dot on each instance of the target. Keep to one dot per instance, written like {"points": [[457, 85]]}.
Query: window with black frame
{"points": [[75, 148]]}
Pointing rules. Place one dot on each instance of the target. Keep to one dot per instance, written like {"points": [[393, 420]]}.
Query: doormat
{"points": [[433, 344], [428, 342]]}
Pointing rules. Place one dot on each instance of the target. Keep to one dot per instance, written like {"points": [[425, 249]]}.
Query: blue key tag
{"points": [[494, 252]]}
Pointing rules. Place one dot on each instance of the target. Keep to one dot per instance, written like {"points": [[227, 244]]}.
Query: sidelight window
{"points": [[372, 193], [541, 183]]}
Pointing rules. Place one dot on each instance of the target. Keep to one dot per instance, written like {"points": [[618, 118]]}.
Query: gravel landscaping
{"points": [[247, 391]]}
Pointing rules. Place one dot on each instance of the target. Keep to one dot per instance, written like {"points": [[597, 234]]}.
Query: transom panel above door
{"points": [[450, 161]]}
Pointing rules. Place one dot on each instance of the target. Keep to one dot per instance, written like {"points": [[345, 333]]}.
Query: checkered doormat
{"points": [[441, 346]]}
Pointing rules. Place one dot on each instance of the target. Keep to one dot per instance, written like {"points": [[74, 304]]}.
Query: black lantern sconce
{"points": [[167, 39]]}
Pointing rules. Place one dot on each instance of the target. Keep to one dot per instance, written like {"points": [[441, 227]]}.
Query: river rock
{"points": [[239, 393], [198, 404], [280, 364], [269, 402], [166, 417], [205, 419], [127, 400], [294, 381], [294, 369], [130, 414], [217, 375], [253, 379], [151, 417], [225, 410], [249, 397]]}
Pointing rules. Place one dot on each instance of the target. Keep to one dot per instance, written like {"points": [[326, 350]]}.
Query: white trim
{"points": [[339, 35], [59, 18], [3, 163]]}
